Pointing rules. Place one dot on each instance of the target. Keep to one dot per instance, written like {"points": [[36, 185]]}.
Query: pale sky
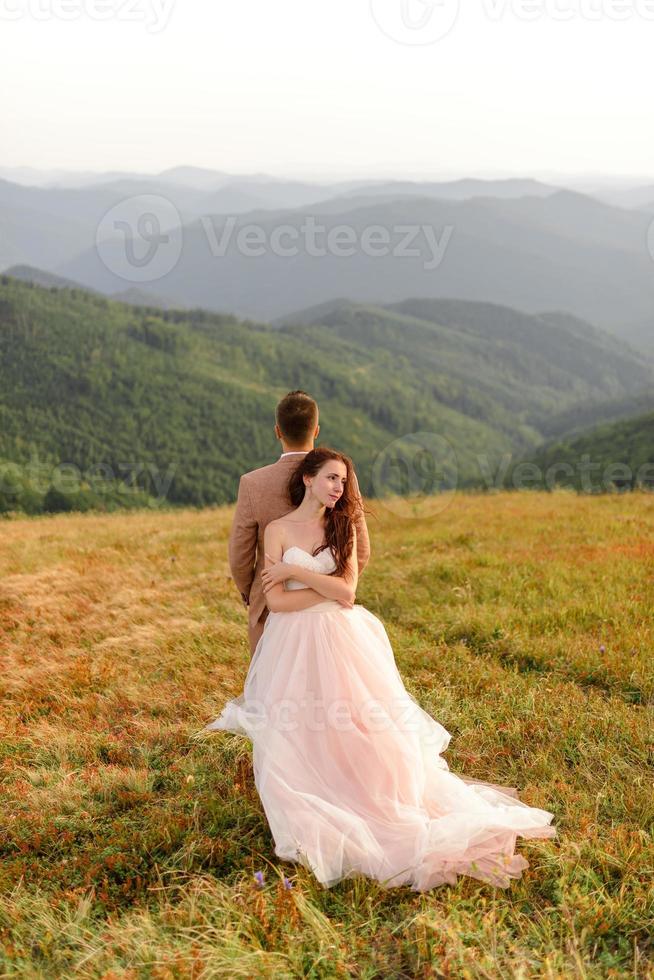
{"points": [[338, 88]]}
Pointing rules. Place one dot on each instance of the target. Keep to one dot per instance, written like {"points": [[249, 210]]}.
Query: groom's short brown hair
{"points": [[297, 417]]}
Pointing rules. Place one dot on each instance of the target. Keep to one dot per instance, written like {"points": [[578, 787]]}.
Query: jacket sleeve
{"points": [[363, 540], [242, 546]]}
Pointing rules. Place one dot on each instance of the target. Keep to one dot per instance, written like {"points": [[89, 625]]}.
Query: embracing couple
{"points": [[264, 498], [347, 764]]}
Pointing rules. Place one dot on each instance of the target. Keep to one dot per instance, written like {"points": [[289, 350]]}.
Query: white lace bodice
{"points": [[323, 562]]}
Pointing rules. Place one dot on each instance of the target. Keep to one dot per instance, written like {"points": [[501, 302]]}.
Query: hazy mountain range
{"points": [[516, 242], [506, 319]]}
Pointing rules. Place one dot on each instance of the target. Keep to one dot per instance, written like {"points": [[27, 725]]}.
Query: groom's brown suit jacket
{"points": [[261, 499]]}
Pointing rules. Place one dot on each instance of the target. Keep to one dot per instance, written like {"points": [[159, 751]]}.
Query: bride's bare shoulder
{"points": [[279, 522], [274, 537], [276, 530], [275, 526], [284, 521]]}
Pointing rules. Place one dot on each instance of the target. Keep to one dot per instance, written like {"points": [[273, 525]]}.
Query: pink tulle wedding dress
{"points": [[348, 765]]}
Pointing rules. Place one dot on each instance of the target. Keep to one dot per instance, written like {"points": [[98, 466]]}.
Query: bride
{"points": [[346, 762]]}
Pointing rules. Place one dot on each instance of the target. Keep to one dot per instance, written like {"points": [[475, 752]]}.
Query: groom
{"points": [[262, 498]]}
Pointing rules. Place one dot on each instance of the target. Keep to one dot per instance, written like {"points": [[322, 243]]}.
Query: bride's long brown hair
{"points": [[339, 519]]}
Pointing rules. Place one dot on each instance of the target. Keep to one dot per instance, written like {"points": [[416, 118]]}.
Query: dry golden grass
{"points": [[522, 621]]}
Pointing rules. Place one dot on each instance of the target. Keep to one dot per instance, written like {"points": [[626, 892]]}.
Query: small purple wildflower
{"points": [[288, 884], [602, 648], [259, 878]]}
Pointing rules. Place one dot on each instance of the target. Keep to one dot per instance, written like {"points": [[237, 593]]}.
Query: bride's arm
{"points": [[277, 598], [342, 587]]}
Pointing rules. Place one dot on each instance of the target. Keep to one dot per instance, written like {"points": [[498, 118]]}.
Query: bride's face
{"points": [[329, 482]]}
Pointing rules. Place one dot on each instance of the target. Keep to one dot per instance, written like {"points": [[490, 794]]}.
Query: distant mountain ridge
{"points": [[519, 242], [565, 251], [41, 277], [132, 296]]}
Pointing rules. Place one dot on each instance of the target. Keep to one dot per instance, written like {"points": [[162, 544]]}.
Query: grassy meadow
{"points": [[522, 621]]}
